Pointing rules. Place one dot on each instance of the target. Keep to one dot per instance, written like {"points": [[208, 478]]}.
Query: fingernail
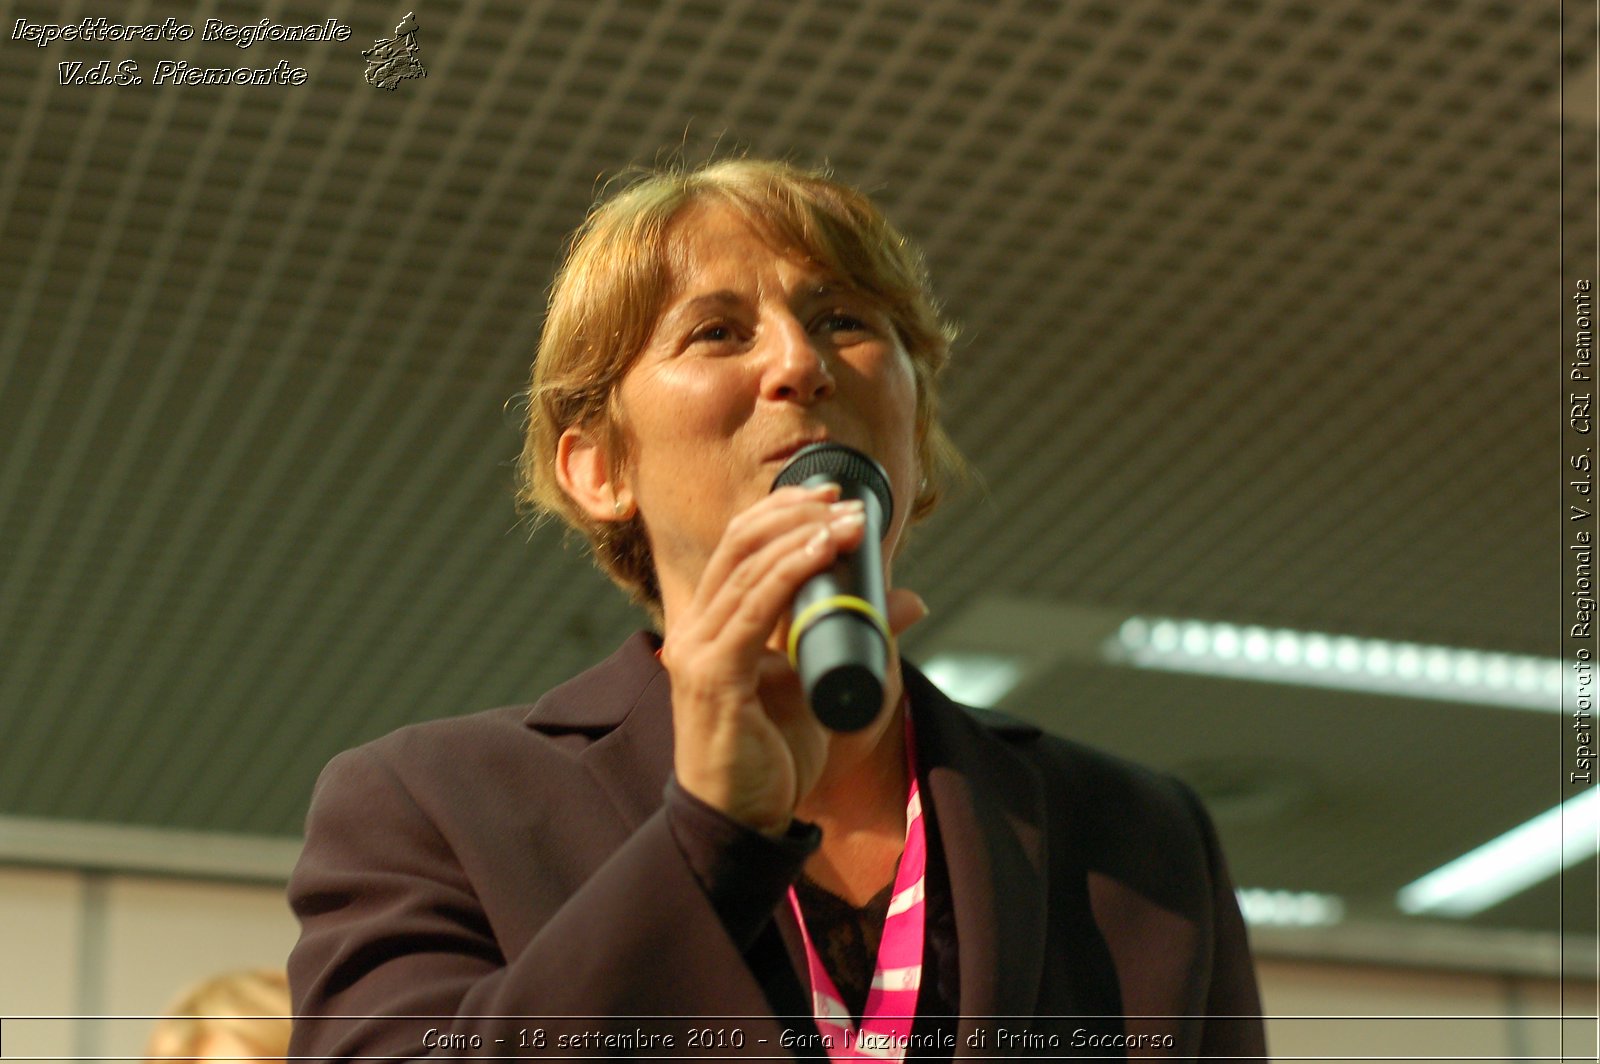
{"points": [[826, 489], [848, 506], [818, 540], [848, 522]]}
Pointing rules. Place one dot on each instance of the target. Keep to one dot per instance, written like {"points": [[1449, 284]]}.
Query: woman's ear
{"points": [[583, 469]]}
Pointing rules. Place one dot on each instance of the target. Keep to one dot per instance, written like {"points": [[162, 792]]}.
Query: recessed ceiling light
{"points": [[1289, 908], [1555, 839], [1319, 659]]}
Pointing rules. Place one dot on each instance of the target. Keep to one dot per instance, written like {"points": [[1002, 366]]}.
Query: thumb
{"points": [[906, 608]]}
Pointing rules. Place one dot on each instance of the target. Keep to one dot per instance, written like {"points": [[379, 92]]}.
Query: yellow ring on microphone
{"points": [[854, 603]]}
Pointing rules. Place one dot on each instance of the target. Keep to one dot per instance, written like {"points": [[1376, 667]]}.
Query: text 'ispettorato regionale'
{"points": [[175, 71]]}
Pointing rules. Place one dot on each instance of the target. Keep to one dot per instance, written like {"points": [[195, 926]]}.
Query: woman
{"points": [[673, 834]]}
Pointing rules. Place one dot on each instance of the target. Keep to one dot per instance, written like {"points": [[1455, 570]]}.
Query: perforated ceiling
{"points": [[1261, 322]]}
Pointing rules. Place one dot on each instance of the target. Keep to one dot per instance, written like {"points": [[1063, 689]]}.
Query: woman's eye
{"points": [[839, 321], [713, 334]]}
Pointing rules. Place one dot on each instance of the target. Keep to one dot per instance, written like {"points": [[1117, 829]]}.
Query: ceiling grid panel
{"points": [[945, 59], [466, 416], [196, 443], [217, 400], [126, 526], [339, 459], [207, 408], [855, 136], [669, 123], [39, 268], [23, 145], [349, 584], [802, 119], [88, 414], [364, 480]]}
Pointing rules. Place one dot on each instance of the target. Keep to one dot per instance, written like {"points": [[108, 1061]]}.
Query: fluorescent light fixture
{"points": [[974, 679], [1555, 839], [1289, 908], [1318, 659]]}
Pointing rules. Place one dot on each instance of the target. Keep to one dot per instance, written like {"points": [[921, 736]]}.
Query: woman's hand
{"points": [[745, 742]]}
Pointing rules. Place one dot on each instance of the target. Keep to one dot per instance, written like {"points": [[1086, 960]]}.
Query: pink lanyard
{"points": [[892, 1000]]}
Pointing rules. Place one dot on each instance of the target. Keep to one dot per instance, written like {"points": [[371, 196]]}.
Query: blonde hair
{"points": [[616, 280], [251, 1006]]}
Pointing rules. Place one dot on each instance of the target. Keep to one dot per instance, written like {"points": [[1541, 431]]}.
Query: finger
{"points": [[794, 555], [747, 606], [749, 530], [733, 567], [709, 631], [905, 608]]}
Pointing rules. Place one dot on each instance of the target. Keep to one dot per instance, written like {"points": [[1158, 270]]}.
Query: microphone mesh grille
{"points": [[846, 465]]}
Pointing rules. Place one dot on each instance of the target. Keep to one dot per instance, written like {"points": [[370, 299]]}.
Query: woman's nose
{"points": [[797, 367]]}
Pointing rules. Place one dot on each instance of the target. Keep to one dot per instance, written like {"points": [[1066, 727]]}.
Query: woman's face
{"points": [[754, 355]]}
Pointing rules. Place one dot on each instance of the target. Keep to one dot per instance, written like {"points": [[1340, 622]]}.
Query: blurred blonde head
{"points": [[241, 1015]]}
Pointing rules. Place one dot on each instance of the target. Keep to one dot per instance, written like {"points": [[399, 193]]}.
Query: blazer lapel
{"points": [[624, 705], [990, 808], [634, 761]]}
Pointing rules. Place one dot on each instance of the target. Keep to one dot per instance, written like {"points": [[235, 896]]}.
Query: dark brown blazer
{"points": [[490, 874]]}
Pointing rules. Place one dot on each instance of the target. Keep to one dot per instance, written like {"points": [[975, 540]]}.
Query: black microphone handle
{"points": [[839, 629]]}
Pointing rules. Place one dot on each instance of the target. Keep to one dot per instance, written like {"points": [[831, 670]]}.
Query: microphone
{"points": [[839, 633]]}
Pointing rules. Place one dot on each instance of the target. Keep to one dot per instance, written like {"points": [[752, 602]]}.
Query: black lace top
{"points": [[847, 938]]}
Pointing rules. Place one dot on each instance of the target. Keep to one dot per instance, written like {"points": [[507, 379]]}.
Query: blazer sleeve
{"points": [[1233, 1023], [397, 958]]}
